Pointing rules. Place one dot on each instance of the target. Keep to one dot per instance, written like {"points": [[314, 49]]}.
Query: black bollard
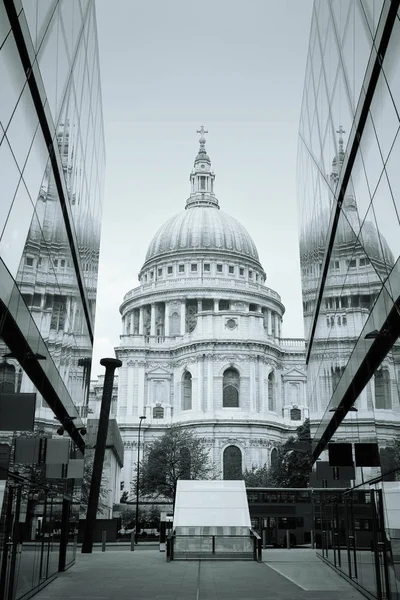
{"points": [[110, 364]]}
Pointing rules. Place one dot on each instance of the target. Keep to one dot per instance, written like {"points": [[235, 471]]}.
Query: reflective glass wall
{"points": [[349, 207], [52, 161]]}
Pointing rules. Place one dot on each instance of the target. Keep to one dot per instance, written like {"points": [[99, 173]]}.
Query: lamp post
{"points": [[137, 483]]}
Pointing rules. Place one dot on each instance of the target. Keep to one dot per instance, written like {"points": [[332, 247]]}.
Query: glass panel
{"points": [[5, 27], [12, 79], [16, 229]]}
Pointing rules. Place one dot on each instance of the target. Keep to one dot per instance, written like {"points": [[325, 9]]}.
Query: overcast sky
{"points": [[167, 68]]}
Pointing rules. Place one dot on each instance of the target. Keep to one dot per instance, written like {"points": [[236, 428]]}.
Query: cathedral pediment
{"points": [[159, 372], [294, 374]]}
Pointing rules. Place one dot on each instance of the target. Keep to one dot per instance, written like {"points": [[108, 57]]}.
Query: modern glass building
{"points": [[52, 159], [349, 206]]}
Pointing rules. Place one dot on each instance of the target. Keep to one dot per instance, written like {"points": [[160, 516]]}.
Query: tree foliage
{"points": [[390, 461], [257, 477], [294, 460], [178, 454], [85, 489], [292, 466]]}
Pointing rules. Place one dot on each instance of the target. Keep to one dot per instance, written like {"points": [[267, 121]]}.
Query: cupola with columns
{"points": [[202, 177]]}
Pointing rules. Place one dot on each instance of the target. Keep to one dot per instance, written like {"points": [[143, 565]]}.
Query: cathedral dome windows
{"points": [[230, 389], [212, 268], [207, 305], [223, 305]]}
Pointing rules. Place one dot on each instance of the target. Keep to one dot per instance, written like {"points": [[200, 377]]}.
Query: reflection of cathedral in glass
{"points": [[202, 340], [46, 276], [52, 160], [360, 262], [348, 200]]}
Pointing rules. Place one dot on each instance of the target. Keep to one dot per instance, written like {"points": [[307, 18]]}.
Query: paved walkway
{"points": [[145, 575]]}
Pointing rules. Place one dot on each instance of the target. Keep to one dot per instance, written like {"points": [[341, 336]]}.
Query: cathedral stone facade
{"points": [[202, 344]]}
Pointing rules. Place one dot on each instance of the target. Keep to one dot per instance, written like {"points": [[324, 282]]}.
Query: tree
{"points": [[124, 497], [178, 454], [85, 489], [294, 460], [257, 477], [390, 461]]}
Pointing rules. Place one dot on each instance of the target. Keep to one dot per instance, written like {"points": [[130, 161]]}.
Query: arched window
{"points": [[7, 378], [230, 390], [271, 391], [383, 396], [158, 412], [232, 463], [295, 414], [187, 391], [274, 457]]}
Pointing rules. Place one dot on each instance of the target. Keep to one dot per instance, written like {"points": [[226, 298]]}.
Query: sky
{"points": [[236, 67]]}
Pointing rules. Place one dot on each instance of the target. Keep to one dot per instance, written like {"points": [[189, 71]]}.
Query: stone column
{"points": [[276, 325], [260, 385], [129, 391], [153, 319], [141, 320], [166, 318], [183, 316], [252, 390], [210, 404], [200, 384], [199, 307], [141, 374], [269, 317], [216, 304]]}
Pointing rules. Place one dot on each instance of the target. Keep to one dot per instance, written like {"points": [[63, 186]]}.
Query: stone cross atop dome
{"points": [[202, 139], [340, 131], [339, 158], [202, 177]]}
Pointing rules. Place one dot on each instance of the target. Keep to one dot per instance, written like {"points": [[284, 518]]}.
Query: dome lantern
{"points": [[202, 177]]}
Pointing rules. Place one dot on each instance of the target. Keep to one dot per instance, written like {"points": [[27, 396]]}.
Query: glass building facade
{"points": [[349, 207], [52, 161]]}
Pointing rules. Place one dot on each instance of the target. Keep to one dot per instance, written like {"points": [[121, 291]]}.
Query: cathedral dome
{"points": [[202, 227], [313, 242]]}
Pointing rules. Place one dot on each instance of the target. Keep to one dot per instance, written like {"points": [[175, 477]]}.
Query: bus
{"points": [[275, 511], [311, 515]]}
